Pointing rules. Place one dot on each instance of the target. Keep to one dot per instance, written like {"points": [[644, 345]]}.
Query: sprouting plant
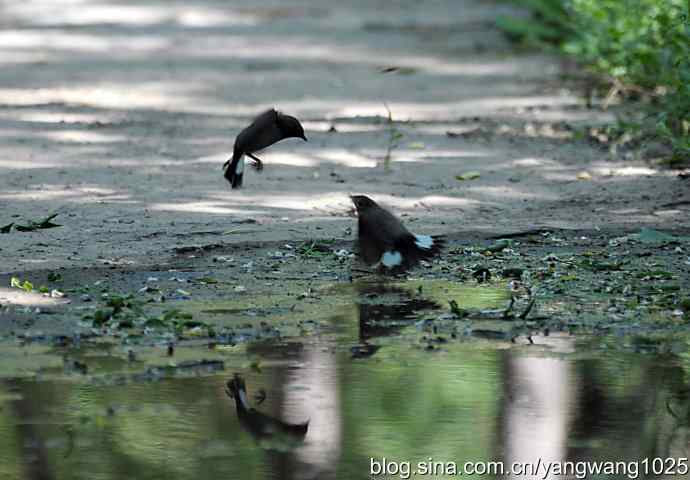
{"points": [[313, 249], [394, 136]]}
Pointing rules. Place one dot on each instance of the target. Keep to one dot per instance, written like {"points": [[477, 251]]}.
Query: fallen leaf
{"points": [[26, 285], [43, 224], [399, 70], [468, 176]]}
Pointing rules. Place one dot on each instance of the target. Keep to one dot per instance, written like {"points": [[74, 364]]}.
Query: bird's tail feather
{"points": [[236, 180], [235, 388], [411, 249], [234, 171]]}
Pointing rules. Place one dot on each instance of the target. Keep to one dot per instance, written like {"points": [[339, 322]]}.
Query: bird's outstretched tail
{"points": [[280, 435], [411, 249], [235, 388], [234, 170]]}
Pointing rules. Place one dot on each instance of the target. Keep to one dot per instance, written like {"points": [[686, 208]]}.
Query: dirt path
{"points": [[119, 117]]}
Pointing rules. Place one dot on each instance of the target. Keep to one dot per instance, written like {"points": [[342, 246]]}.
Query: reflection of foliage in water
{"points": [[403, 404], [440, 406]]}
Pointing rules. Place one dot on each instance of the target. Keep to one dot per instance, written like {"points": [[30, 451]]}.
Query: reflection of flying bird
{"points": [[271, 433], [268, 128], [384, 241]]}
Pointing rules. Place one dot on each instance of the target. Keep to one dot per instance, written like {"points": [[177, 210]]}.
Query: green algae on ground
{"points": [[579, 284], [21, 361]]}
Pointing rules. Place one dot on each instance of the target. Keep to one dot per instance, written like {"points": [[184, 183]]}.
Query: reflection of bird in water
{"points": [[271, 433], [384, 311]]}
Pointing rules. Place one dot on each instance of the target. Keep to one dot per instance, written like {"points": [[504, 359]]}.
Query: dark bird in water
{"points": [[385, 242], [266, 129], [271, 432]]}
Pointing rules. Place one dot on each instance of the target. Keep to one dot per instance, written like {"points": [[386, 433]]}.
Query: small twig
{"points": [[390, 114], [613, 91], [619, 87], [391, 137]]}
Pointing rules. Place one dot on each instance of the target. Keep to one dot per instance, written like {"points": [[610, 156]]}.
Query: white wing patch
{"points": [[391, 259], [424, 241], [240, 166], [243, 397]]}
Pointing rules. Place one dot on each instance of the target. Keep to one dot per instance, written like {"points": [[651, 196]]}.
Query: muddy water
{"points": [[374, 384]]}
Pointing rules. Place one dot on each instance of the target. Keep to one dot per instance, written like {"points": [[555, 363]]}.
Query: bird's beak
{"points": [[304, 137]]}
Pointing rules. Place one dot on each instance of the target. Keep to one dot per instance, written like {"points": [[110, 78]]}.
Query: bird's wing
{"points": [[379, 231], [265, 118], [262, 133], [388, 226]]}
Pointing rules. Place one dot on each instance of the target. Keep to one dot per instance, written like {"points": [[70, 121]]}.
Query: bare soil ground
{"points": [[118, 117]]}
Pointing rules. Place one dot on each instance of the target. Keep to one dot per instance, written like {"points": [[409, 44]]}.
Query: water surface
{"points": [[375, 384]]}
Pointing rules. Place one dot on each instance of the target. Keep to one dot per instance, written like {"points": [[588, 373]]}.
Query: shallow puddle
{"points": [[469, 402], [291, 308], [371, 381]]}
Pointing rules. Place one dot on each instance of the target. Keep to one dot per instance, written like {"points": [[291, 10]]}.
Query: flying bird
{"points": [[384, 241], [268, 128]]}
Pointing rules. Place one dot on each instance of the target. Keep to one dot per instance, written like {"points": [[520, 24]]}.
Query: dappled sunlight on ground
{"points": [[342, 126], [83, 12], [509, 193], [533, 162], [13, 296], [425, 202], [120, 116], [338, 201], [52, 117], [81, 136], [153, 95], [10, 164], [347, 159], [64, 192], [204, 207], [450, 110], [334, 203], [422, 155], [181, 97], [271, 48], [17, 57], [626, 171], [64, 41], [350, 159]]}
